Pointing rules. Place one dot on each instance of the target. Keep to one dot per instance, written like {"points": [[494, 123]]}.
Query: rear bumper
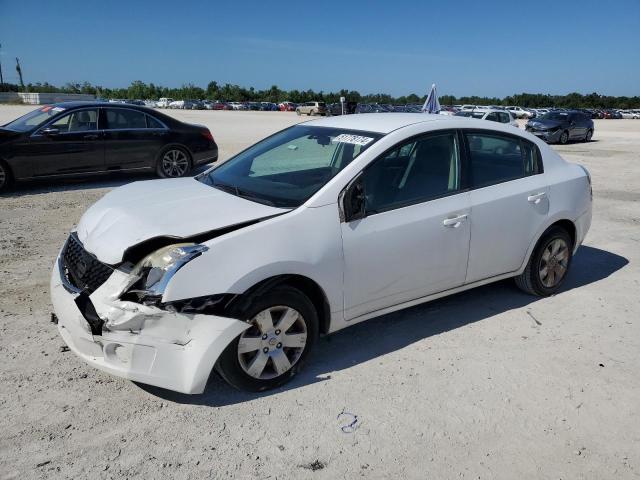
{"points": [[205, 156], [169, 350]]}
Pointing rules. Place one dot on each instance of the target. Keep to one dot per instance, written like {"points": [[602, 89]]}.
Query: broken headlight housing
{"points": [[156, 269]]}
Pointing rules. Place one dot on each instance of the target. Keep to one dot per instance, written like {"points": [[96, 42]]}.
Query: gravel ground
{"points": [[490, 383]]}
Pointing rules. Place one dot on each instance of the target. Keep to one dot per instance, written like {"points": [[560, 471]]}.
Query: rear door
{"points": [[76, 146], [509, 201], [133, 139]]}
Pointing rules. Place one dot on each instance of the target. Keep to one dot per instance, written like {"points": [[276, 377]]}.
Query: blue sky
{"points": [[492, 48]]}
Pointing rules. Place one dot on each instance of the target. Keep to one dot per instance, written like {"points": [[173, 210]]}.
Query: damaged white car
{"points": [[313, 229]]}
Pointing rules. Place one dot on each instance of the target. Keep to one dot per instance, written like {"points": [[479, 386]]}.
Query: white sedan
{"points": [[316, 228], [493, 115]]}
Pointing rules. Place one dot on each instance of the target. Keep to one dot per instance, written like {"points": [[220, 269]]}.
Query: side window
{"points": [[532, 160], [153, 123], [80, 121], [505, 117], [493, 116], [414, 172], [125, 119], [494, 159]]}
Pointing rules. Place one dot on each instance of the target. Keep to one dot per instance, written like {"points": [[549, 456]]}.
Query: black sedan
{"points": [[82, 138], [562, 126]]}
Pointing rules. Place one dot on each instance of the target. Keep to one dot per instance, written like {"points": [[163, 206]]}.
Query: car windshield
{"points": [[286, 169], [33, 119], [559, 116]]}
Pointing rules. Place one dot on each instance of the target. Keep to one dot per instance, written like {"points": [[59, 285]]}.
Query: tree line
{"points": [[235, 93]]}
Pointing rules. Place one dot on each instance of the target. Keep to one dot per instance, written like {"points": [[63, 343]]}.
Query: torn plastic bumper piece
{"points": [[144, 344]]}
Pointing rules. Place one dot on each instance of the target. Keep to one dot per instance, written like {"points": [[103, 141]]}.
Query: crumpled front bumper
{"points": [[143, 344], [547, 135]]}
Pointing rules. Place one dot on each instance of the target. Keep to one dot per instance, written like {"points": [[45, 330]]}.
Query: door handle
{"points": [[536, 198], [91, 136], [454, 222]]}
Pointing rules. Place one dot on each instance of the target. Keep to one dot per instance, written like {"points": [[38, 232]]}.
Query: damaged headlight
{"points": [[156, 269]]}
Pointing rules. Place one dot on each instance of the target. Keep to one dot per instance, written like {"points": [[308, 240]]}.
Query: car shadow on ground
{"points": [[380, 336], [106, 180]]}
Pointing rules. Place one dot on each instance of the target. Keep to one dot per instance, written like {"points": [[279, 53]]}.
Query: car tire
{"points": [[298, 112], [173, 162], [256, 369], [6, 178], [587, 137], [564, 138], [548, 265]]}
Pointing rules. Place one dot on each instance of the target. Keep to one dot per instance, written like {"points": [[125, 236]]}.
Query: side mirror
{"points": [[50, 132], [352, 201]]}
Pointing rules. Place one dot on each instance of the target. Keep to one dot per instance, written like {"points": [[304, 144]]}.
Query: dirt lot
{"points": [[490, 383]]}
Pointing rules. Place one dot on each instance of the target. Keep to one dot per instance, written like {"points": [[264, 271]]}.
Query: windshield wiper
{"points": [[242, 193], [227, 188], [248, 196]]}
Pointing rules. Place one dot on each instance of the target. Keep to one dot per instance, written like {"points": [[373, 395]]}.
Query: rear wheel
{"points": [[284, 327], [174, 162], [548, 265], [587, 137], [5, 177]]}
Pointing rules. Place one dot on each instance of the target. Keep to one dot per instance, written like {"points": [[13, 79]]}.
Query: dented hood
{"points": [[178, 208]]}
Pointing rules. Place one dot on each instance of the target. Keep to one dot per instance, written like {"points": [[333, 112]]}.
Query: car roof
{"points": [[378, 122]]}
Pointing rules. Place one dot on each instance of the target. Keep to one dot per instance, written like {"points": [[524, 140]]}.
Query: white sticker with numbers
{"points": [[354, 139]]}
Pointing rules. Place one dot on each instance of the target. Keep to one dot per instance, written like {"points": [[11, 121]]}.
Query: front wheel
{"points": [[564, 138], [173, 162], [548, 265], [284, 328], [5, 177]]}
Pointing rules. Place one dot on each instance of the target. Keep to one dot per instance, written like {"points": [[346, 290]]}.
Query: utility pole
{"points": [[1, 79], [19, 70]]}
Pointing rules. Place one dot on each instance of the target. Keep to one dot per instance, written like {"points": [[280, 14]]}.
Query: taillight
{"points": [[207, 134]]}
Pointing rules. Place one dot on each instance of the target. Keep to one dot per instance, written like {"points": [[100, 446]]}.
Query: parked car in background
{"points": [[500, 116], [238, 106], [222, 106], [370, 108], [629, 114], [312, 108], [561, 127], [82, 138], [447, 110], [161, 282], [164, 102], [287, 107], [519, 112]]}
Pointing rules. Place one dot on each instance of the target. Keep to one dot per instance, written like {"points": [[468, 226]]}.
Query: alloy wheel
{"points": [[554, 263], [3, 176], [273, 344], [564, 138], [175, 163]]}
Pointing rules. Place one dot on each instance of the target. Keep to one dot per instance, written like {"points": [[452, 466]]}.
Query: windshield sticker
{"points": [[354, 139], [46, 109], [57, 109]]}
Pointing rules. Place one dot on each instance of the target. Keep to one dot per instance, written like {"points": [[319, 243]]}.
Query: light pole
{"points": [[1, 79]]}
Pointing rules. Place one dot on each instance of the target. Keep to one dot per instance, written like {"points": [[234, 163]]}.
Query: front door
{"points": [[74, 144], [414, 239]]}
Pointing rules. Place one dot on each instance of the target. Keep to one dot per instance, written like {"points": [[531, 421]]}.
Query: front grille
{"points": [[83, 270]]}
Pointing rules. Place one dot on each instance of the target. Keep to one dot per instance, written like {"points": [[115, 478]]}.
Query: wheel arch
{"points": [[306, 285], [568, 225]]}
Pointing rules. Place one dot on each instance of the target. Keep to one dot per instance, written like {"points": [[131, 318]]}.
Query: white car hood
{"points": [[178, 208]]}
